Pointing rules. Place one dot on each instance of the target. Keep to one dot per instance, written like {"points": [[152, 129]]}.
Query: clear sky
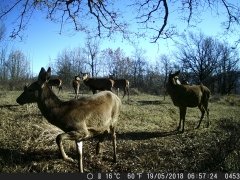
{"points": [[42, 41]]}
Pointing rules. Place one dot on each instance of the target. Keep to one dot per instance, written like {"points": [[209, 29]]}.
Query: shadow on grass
{"points": [[9, 106], [10, 156], [144, 135], [156, 102]]}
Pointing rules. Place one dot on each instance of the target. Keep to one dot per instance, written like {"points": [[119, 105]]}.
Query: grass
{"points": [[146, 140]]}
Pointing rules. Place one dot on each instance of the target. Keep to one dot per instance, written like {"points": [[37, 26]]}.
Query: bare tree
{"points": [[68, 63], [18, 66], [227, 69], [92, 51], [3, 68], [199, 55], [104, 18], [117, 62], [138, 67], [166, 68], [3, 53], [2, 32]]}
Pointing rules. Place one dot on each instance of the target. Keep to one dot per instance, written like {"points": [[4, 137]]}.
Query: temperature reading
{"points": [[113, 176], [134, 175]]}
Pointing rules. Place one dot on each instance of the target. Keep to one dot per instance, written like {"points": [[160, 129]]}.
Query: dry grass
{"points": [[146, 140]]}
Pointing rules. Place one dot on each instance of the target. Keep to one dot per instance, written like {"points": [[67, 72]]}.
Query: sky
{"points": [[42, 41]]}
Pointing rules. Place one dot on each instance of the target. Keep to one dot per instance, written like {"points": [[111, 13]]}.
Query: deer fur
{"points": [[97, 83], [80, 119], [76, 85], [184, 96], [120, 84], [55, 82]]}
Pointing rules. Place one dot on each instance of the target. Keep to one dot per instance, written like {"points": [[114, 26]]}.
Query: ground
{"points": [[146, 138]]}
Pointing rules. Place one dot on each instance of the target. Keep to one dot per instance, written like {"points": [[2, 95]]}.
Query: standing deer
{"points": [[55, 82], [81, 119], [76, 85], [97, 83], [184, 96], [120, 84]]}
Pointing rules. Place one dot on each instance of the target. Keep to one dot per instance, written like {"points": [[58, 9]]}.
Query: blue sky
{"points": [[42, 41]]}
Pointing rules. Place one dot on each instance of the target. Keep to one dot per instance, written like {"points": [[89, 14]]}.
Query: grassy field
{"points": [[146, 140]]}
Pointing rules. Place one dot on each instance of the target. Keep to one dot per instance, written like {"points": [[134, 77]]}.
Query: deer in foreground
{"points": [[121, 84], [184, 96], [55, 82], [97, 83], [76, 85], [81, 119]]}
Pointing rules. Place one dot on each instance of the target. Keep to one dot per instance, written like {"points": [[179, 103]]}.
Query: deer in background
{"points": [[55, 82], [120, 84], [95, 84], [76, 85], [184, 96], [81, 119]]}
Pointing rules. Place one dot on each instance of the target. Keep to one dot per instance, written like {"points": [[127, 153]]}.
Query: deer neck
{"points": [[48, 103], [173, 89]]}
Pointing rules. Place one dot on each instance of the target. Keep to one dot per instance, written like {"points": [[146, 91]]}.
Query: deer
{"points": [[120, 84], [80, 119], [55, 82], [184, 96], [76, 85], [97, 83]]}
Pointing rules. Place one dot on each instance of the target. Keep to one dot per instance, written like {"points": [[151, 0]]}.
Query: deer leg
{"points": [[202, 116], [99, 144], [114, 141], [79, 145], [76, 96], [182, 118], [207, 110], [59, 89], [208, 117], [73, 135], [117, 91], [60, 146]]}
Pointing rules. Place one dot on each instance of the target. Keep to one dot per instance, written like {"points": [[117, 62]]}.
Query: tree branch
{"points": [[164, 22], [231, 17]]}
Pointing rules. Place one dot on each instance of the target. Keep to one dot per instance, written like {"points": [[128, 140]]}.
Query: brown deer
{"points": [[81, 119], [120, 84], [55, 82], [97, 83], [184, 96], [76, 85]]}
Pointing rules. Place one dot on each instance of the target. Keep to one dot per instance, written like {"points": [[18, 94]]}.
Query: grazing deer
{"points": [[184, 96], [81, 119], [97, 83], [76, 85], [55, 82], [121, 84]]}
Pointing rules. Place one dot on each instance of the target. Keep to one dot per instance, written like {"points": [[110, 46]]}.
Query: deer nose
{"points": [[19, 101]]}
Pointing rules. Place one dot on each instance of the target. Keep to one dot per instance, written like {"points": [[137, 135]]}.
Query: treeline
{"points": [[201, 59]]}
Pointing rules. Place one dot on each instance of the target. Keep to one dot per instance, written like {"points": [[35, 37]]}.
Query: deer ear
{"points": [[41, 74], [44, 75], [48, 74]]}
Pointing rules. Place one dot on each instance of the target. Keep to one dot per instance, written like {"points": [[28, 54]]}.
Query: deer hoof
{"points": [[68, 159]]}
